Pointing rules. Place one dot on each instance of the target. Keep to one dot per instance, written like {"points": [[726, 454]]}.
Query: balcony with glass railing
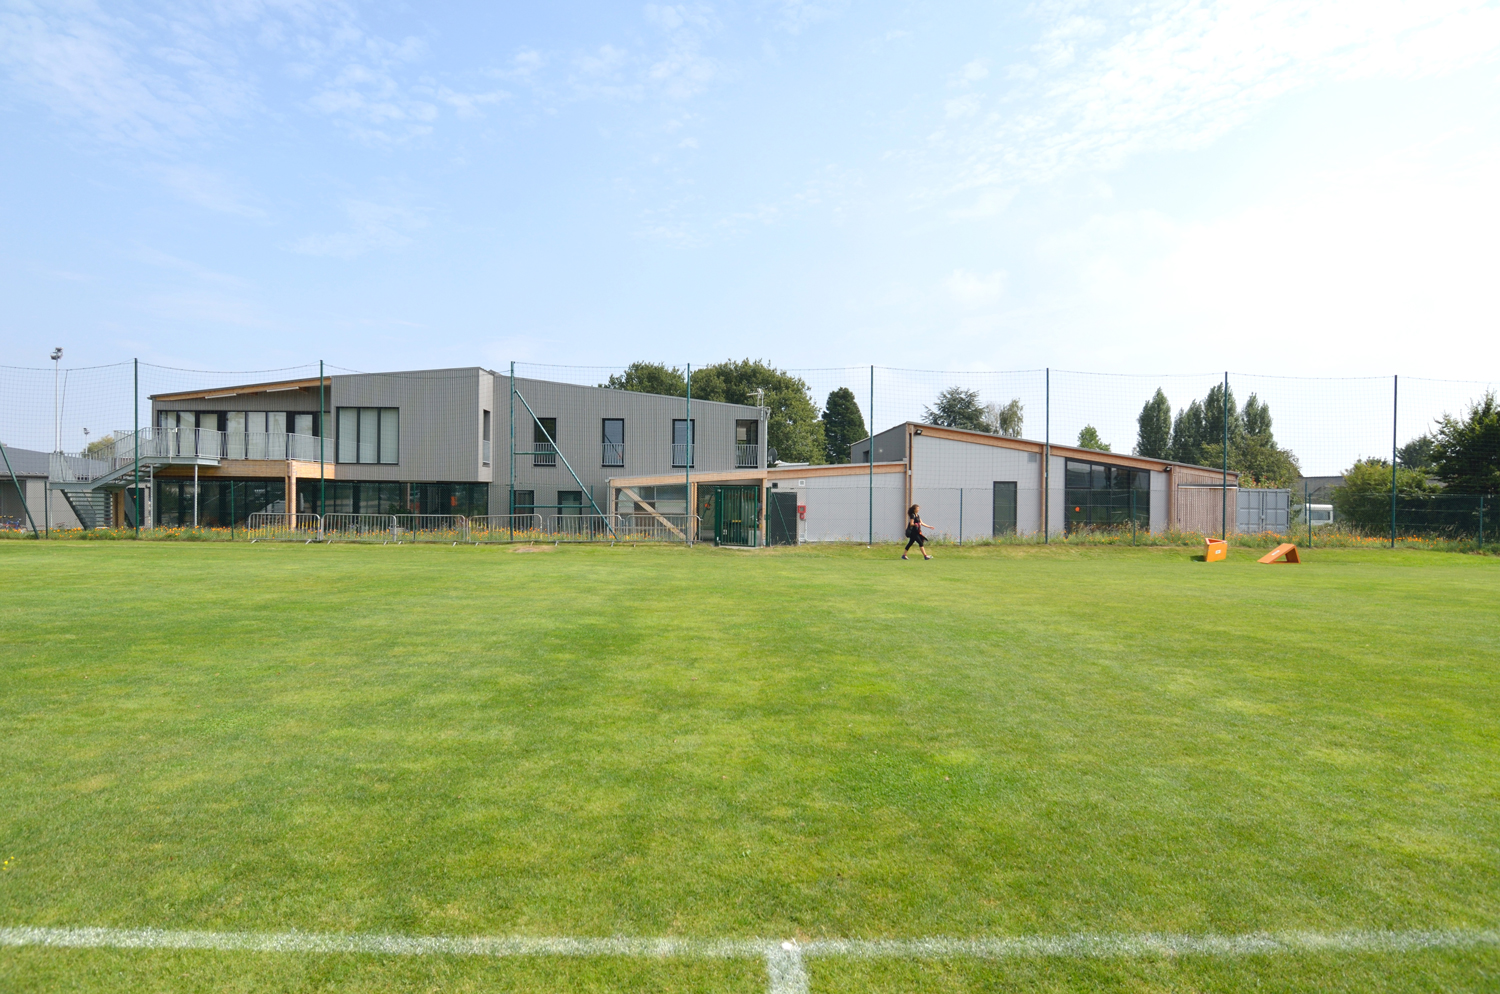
{"points": [[186, 445]]}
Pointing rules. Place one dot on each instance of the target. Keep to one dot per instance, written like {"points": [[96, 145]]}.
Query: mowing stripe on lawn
{"points": [[784, 959]]}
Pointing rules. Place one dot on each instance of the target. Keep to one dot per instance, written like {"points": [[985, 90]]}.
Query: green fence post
{"points": [[322, 434], [21, 493], [1224, 479], [1047, 460], [1481, 522], [688, 504], [511, 517], [1395, 385], [1307, 511], [136, 368], [872, 457], [1132, 515]]}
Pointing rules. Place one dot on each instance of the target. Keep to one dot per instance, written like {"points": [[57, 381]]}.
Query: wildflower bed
{"points": [[1010, 748]]}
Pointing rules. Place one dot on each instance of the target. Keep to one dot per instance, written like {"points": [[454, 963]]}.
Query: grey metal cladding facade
{"points": [[441, 423], [580, 412], [890, 446]]}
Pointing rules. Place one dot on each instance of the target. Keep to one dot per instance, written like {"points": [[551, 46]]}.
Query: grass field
{"points": [[1005, 743]]}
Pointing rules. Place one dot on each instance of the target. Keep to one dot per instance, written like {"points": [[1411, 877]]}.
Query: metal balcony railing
{"points": [[682, 454], [544, 454], [614, 454], [746, 456], [157, 444]]}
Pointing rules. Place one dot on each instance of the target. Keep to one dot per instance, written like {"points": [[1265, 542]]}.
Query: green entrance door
{"points": [[737, 516], [781, 518]]}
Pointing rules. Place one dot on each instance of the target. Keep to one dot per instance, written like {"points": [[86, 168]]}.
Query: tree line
{"points": [[1196, 435], [796, 430]]}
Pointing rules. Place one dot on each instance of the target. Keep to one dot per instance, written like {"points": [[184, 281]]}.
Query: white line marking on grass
{"points": [[785, 969]]}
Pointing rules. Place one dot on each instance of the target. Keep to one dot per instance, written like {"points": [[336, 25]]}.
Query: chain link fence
{"points": [[1319, 460]]}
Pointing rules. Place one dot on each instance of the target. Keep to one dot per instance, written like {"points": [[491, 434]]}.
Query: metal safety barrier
{"points": [[644, 526], [358, 527], [274, 526], [580, 527], [505, 528], [430, 528]]}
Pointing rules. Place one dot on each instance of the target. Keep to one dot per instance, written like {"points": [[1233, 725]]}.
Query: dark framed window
{"points": [[523, 502], [1100, 495], [614, 442], [486, 452], [369, 435], [684, 435], [543, 442], [570, 502], [746, 444]]}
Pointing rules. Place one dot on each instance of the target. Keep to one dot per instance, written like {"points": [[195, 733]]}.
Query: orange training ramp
{"points": [[1284, 549]]}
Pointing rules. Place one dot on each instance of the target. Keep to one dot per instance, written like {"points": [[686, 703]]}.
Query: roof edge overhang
{"points": [[1030, 445], [215, 393]]}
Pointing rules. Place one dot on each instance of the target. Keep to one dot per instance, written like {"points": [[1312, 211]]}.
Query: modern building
{"points": [[428, 442], [463, 442], [972, 483]]}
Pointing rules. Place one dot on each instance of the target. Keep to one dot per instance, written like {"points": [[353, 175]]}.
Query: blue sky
{"points": [[1152, 186]]}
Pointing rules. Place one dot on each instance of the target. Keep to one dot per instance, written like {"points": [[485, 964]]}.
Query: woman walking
{"points": [[914, 528]]}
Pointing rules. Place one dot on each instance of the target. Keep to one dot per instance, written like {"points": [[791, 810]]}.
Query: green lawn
{"points": [[1006, 741]]}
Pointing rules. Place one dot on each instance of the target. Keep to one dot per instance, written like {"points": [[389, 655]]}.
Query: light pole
{"points": [[56, 408]]}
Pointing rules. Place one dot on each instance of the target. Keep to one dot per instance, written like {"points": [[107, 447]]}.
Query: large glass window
{"points": [[570, 502], [1100, 495], [220, 502], [684, 434], [665, 499], [383, 497], [486, 452], [614, 442], [523, 502], [544, 442], [368, 435]]}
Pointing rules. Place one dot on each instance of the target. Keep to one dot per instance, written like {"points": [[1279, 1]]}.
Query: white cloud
{"points": [[372, 227], [796, 16], [207, 189], [87, 64], [1385, 266], [975, 289], [1177, 74]]}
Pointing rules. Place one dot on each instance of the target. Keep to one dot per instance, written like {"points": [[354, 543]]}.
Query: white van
{"points": [[1319, 514]]}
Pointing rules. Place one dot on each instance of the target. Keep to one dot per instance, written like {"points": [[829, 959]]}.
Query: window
{"points": [[544, 442], [684, 434], [570, 502], [486, 452], [1098, 495], [746, 447], [614, 442], [523, 502], [368, 434], [664, 499]]}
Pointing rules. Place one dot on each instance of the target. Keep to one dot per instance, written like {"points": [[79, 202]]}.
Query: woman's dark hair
{"points": [[911, 510]]}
